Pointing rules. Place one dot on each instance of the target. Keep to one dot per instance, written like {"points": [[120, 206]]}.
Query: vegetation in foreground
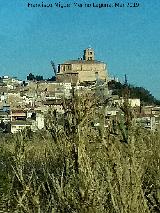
{"points": [[75, 167]]}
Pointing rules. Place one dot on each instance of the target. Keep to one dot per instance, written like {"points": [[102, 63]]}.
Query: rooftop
{"points": [[21, 122], [83, 62]]}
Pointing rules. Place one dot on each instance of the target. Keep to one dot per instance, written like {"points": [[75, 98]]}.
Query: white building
{"points": [[133, 102]]}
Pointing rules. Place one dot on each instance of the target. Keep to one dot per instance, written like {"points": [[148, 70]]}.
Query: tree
{"points": [[134, 92], [39, 78], [53, 78], [30, 77]]}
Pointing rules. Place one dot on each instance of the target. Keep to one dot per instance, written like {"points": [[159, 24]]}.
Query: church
{"points": [[85, 69]]}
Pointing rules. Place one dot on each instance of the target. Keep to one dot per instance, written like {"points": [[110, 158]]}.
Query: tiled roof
{"points": [[83, 62]]}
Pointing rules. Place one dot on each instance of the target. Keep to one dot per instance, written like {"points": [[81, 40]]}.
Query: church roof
{"points": [[83, 62]]}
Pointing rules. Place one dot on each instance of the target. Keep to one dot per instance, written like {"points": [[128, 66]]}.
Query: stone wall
{"points": [[87, 71]]}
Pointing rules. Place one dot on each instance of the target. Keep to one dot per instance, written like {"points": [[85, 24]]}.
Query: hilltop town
{"points": [[24, 104]]}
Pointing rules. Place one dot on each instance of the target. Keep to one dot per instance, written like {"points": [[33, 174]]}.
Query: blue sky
{"points": [[127, 39]]}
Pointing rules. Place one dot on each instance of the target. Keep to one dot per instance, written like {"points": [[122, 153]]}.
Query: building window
{"points": [[69, 67]]}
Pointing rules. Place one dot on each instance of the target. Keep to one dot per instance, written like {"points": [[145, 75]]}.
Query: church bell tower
{"points": [[88, 54]]}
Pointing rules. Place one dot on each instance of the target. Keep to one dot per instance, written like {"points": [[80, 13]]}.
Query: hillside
{"points": [[134, 92]]}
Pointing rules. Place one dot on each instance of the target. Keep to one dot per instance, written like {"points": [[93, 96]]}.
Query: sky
{"points": [[126, 38]]}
